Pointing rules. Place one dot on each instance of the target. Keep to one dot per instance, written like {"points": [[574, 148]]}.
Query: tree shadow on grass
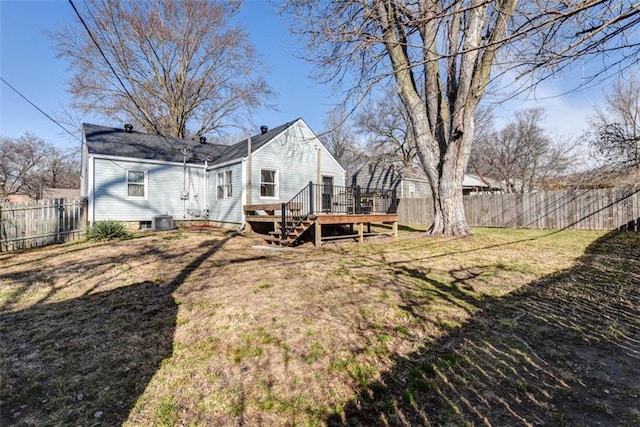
{"points": [[564, 350], [86, 361]]}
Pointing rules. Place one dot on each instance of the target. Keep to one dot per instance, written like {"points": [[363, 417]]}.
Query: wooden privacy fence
{"points": [[593, 209], [40, 223]]}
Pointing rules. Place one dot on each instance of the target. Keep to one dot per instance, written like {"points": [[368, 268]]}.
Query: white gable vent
{"points": [[163, 222]]}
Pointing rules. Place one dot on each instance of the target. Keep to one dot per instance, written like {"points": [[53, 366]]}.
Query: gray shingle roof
{"points": [[117, 142], [381, 175], [239, 150]]}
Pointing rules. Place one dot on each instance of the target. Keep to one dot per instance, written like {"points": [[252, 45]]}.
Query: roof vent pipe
{"points": [[128, 128], [263, 129], [203, 140]]}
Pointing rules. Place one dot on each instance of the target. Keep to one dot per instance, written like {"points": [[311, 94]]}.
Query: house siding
{"points": [[422, 189], [294, 155], [164, 187], [381, 178], [226, 211], [388, 178]]}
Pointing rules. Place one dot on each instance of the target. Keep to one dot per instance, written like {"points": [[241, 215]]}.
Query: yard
{"points": [[505, 327]]}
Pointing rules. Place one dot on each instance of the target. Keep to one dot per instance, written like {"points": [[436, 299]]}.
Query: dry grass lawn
{"points": [[505, 327]]}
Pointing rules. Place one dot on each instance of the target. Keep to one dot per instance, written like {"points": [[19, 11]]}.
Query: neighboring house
{"points": [[472, 184], [408, 182], [60, 193], [133, 177]]}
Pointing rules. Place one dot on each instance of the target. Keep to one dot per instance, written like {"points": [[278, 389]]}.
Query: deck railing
{"points": [[318, 199], [296, 210]]}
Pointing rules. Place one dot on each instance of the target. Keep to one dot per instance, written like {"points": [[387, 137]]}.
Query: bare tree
{"points": [[341, 142], [59, 169], [28, 164], [614, 129], [174, 67], [522, 155], [483, 137], [386, 126], [441, 56], [18, 158]]}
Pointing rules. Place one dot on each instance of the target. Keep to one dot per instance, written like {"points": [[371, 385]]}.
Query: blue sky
{"points": [[28, 63]]}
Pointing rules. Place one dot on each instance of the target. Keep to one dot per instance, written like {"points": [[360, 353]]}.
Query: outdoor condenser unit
{"points": [[163, 222]]}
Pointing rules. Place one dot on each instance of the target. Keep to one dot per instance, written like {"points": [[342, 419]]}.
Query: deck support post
{"points": [[311, 207], [394, 228], [360, 232], [318, 234], [283, 221]]}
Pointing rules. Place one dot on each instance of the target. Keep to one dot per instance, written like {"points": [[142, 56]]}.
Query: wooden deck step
{"points": [[276, 241], [275, 237]]}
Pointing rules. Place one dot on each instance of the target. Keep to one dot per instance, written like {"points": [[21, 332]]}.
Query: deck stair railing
{"points": [[296, 210], [319, 199]]}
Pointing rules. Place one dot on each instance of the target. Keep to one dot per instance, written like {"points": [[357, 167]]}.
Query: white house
{"points": [[133, 177]]}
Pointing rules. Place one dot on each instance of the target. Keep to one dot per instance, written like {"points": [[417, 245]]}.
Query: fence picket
{"points": [[40, 223], [589, 209]]}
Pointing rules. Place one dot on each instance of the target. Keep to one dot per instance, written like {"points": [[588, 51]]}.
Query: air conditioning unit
{"points": [[163, 222]]}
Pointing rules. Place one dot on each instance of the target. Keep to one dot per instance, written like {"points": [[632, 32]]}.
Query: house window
{"points": [[412, 190], [268, 183], [225, 191], [136, 184]]}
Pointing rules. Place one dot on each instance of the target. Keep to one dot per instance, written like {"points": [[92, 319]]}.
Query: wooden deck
{"points": [[359, 221], [360, 224]]}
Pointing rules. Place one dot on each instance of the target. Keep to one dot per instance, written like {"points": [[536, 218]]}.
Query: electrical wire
{"points": [[174, 148], [54, 120], [41, 111], [115, 74]]}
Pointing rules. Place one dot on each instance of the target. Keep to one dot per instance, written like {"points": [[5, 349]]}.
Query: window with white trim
{"points": [[269, 183], [412, 190], [225, 191], [136, 184]]}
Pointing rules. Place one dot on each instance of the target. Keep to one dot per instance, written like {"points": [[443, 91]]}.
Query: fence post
{"points": [[60, 205], [3, 234], [84, 209]]}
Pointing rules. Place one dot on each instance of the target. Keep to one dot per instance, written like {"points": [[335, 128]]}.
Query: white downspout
{"points": [[206, 189], [249, 172], [92, 191], [247, 182]]}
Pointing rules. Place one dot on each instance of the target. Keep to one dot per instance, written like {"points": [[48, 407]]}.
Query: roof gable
{"points": [[239, 150]]}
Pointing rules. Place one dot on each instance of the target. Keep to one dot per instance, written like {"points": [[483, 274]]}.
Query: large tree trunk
{"points": [[449, 215], [442, 118]]}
